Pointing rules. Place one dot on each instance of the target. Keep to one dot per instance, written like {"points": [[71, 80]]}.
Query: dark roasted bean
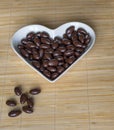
{"points": [[11, 103], [30, 102], [36, 64], [37, 41], [47, 73], [35, 91], [18, 90], [51, 69], [62, 49], [69, 31], [61, 63], [23, 98], [30, 35], [81, 38], [55, 45], [27, 109], [36, 56], [79, 49], [68, 53], [54, 75], [58, 40], [60, 69], [46, 41], [81, 31], [44, 46], [66, 41], [20, 47], [66, 65], [45, 63], [70, 47], [47, 56], [60, 58], [24, 41], [56, 53], [44, 35], [24, 53], [53, 62], [70, 60], [77, 54], [14, 113]]}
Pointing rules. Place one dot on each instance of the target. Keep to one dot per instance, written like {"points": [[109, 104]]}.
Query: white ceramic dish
{"points": [[21, 33]]}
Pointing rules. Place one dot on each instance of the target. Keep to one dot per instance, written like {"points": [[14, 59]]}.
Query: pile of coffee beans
{"points": [[53, 56], [24, 98]]}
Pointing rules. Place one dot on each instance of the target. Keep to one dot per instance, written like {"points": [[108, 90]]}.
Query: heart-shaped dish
{"points": [[21, 33]]}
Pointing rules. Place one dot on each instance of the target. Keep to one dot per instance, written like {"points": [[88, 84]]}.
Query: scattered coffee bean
{"points": [[18, 90], [30, 102], [14, 113], [27, 109], [47, 54], [23, 98], [11, 103], [35, 91]]}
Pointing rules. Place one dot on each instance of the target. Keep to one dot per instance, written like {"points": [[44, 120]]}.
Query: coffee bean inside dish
{"points": [[53, 56]]}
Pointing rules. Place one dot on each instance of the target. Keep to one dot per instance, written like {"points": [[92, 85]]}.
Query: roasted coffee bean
{"points": [[68, 53], [20, 47], [18, 90], [56, 53], [79, 49], [35, 91], [51, 69], [42, 68], [38, 34], [11, 103], [46, 41], [47, 73], [70, 60], [30, 57], [66, 65], [55, 45], [14, 113], [69, 31], [81, 38], [30, 102], [83, 46], [24, 53], [60, 58], [58, 40], [36, 64], [36, 56], [66, 41], [27, 109], [62, 49], [70, 47], [65, 36], [34, 50], [41, 53], [54, 75], [74, 36], [28, 51], [47, 56], [23, 98], [45, 63], [50, 50], [53, 62], [24, 41], [76, 42], [44, 35], [30, 45], [78, 45], [77, 54], [81, 31], [44, 46], [87, 41], [60, 69], [30, 35], [61, 63], [37, 41]]}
